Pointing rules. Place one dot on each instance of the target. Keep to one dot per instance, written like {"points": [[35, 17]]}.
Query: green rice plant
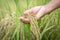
{"points": [[47, 28], [19, 25], [35, 29]]}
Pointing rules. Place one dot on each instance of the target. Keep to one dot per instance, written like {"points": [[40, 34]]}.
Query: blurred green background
{"points": [[11, 28]]}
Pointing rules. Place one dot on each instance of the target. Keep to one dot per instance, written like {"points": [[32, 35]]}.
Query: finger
{"points": [[25, 20], [28, 12]]}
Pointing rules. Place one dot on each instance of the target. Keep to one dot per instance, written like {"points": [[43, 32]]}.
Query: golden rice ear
{"points": [[34, 25], [7, 27]]}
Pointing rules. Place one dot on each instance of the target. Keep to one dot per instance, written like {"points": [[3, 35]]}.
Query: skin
{"points": [[40, 11]]}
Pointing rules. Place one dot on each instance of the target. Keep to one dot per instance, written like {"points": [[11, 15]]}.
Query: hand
{"points": [[38, 11]]}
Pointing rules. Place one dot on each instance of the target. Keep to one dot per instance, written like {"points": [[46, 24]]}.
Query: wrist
{"points": [[54, 4]]}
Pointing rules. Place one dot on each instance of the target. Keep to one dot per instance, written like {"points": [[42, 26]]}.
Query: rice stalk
{"points": [[19, 31], [34, 26]]}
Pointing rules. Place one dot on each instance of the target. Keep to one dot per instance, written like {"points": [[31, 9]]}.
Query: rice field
{"points": [[11, 28]]}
